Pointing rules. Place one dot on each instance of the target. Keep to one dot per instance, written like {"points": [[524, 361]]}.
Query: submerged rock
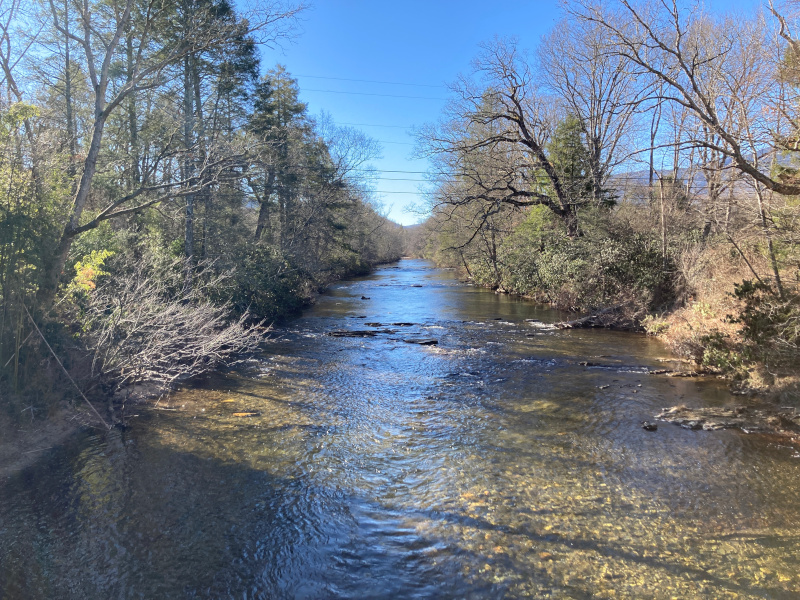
{"points": [[649, 426], [356, 333], [590, 322], [613, 317], [672, 373], [540, 326], [422, 341]]}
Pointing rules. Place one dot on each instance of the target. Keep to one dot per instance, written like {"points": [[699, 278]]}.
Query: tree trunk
{"points": [[263, 212], [55, 265], [663, 226], [762, 215], [71, 128], [188, 169], [205, 193], [133, 127]]}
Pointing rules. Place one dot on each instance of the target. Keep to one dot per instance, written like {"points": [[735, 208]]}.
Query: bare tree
{"points": [[718, 70], [727, 74], [595, 84], [499, 115]]}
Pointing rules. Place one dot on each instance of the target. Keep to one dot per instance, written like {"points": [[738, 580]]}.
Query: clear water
{"points": [[493, 465]]}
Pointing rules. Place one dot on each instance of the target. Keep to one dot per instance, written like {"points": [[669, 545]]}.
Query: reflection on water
{"points": [[493, 465]]}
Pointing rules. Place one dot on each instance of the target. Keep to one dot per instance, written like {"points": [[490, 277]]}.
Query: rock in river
{"points": [[747, 418], [356, 333]]}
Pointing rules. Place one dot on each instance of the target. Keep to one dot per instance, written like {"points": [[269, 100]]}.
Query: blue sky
{"points": [[402, 53]]}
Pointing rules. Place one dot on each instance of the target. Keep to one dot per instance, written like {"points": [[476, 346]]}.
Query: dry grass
{"points": [[707, 277]]}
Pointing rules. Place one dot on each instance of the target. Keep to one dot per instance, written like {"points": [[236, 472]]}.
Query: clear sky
{"points": [[403, 53]]}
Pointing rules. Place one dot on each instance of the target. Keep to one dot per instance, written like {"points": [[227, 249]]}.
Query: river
{"points": [[491, 465]]}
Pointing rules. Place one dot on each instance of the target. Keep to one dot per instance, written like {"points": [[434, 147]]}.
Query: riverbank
{"points": [[23, 439], [690, 332], [704, 331]]}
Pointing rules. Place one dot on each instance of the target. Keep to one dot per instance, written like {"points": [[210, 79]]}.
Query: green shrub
{"points": [[722, 353], [770, 325], [268, 286]]}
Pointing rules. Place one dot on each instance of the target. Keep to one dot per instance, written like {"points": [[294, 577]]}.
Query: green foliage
{"points": [[318, 229], [267, 286], [654, 325], [30, 216], [12, 118], [720, 352], [610, 264], [770, 325], [569, 155], [88, 270], [570, 158]]}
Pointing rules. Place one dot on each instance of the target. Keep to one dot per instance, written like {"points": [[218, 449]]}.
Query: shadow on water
{"points": [[155, 522], [493, 465], [128, 521]]}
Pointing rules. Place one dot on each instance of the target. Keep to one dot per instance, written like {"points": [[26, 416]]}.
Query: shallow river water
{"points": [[491, 465]]}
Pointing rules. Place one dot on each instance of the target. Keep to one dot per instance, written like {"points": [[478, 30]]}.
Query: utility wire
{"points": [[373, 81], [376, 125], [612, 179], [392, 192], [60, 364], [402, 179], [368, 94]]}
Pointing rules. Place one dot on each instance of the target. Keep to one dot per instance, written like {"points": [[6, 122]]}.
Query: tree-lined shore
{"points": [[641, 164], [165, 196]]}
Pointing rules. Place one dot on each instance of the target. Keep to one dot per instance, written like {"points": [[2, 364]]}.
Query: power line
{"points": [[386, 192], [374, 125], [454, 176], [373, 81], [368, 94], [394, 171]]}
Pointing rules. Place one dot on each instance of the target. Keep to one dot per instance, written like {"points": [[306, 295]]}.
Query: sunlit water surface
{"points": [[493, 465]]}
